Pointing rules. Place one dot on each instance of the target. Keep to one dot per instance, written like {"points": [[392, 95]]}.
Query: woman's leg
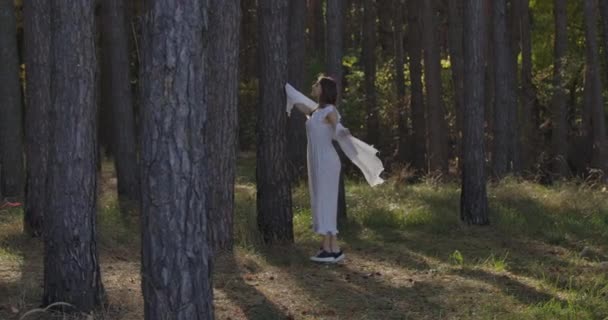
{"points": [[326, 244], [333, 242]]}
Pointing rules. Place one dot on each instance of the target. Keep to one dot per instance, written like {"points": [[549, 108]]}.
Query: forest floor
{"points": [[544, 256]]}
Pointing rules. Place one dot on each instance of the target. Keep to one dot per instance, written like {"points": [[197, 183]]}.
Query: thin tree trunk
{"points": [[399, 64], [176, 265], [275, 217], [11, 135], [457, 62], [316, 28], [530, 117], [118, 96], [336, 11], [71, 263], [593, 84], [559, 136], [296, 134], [437, 126], [222, 129], [417, 98], [604, 15], [37, 34], [369, 65], [473, 200], [505, 90], [385, 10]]}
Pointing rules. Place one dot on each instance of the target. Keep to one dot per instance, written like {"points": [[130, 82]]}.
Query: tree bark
{"points": [[473, 199], [593, 85], [505, 93], [604, 15], [385, 10], [559, 136], [437, 126], [71, 264], [336, 11], [419, 128], [369, 65], [11, 134], [176, 265], [399, 64], [296, 134], [274, 206], [531, 118], [455, 12], [117, 96], [222, 129], [37, 37], [316, 28]]}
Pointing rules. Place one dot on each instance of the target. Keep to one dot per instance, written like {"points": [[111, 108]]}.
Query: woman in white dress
{"points": [[322, 127], [324, 169]]}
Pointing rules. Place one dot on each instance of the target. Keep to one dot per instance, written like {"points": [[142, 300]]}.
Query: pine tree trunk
{"points": [[369, 66], [559, 135], [604, 15], [457, 61], [11, 135], [385, 10], [222, 134], [419, 128], [530, 120], [37, 37], [71, 263], [274, 206], [115, 38], [176, 265], [593, 85], [296, 134], [505, 90], [437, 126], [399, 64], [336, 11], [473, 200], [316, 28]]}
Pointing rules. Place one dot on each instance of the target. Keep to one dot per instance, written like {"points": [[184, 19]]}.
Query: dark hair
{"points": [[329, 91]]}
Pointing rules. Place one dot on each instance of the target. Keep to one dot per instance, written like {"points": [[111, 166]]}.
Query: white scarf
{"points": [[359, 152]]}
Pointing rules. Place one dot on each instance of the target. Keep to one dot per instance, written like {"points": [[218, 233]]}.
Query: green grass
{"points": [[408, 256]]}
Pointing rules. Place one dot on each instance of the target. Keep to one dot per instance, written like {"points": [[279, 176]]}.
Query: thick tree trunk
{"points": [[369, 66], [473, 200], [419, 128], [506, 95], [176, 265], [275, 217], [116, 64], [559, 135], [296, 134], [11, 135], [455, 12], [37, 37], [593, 85], [71, 264], [437, 126], [604, 15], [222, 130]]}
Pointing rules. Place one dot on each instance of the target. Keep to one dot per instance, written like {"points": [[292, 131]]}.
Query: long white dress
{"points": [[324, 162], [323, 171]]}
